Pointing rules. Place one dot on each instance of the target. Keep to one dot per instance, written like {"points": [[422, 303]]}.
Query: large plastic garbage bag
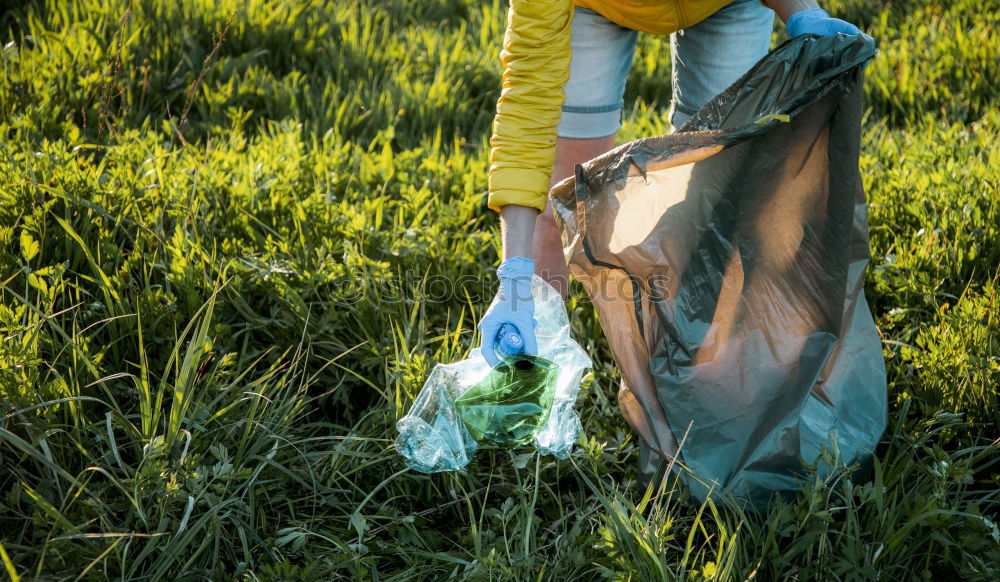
{"points": [[524, 400], [726, 265]]}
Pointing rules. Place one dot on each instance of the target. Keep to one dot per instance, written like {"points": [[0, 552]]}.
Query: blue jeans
{"points": [[705, 59]]}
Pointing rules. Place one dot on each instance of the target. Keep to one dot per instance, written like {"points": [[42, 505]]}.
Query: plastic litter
{"points": [[726, 264], [512, 403], [524, 400]]}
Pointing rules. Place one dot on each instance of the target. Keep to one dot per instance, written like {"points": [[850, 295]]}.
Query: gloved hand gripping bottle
{"points": [[434, 436], [513, 402]]}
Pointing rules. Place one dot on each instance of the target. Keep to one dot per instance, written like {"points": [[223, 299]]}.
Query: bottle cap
{"points": [[508, 341]]}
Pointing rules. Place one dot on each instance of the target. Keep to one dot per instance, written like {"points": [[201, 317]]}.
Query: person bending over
{"points": [[564, 68]]}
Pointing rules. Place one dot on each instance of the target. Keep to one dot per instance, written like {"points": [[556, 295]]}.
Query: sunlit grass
{"points": [[210, 324]]}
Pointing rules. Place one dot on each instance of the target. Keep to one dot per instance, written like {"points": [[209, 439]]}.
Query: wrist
{"points": [[785, 9], [516, 268], [517, 229]]}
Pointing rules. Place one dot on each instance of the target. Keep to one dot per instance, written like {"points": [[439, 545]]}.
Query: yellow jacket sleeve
{"points": [[535, 58]]}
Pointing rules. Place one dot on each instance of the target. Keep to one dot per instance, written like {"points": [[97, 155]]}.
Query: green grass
{"points": [[222, 224]]}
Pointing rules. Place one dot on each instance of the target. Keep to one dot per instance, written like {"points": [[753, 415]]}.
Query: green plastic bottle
{"points": [[512, 403]]}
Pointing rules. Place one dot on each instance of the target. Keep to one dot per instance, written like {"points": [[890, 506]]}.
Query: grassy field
{"points": [[221, 225]]}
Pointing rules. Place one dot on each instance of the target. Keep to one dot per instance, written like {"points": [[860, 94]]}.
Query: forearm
{"points": [[535, 61], [517, 229], [786, 8]]}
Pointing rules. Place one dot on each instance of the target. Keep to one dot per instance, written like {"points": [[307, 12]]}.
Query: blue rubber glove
{"points": [[513, 305], [818, 21]]}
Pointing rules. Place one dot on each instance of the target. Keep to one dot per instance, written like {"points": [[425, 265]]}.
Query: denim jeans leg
{"points": [[602, 57], [710, 56]]}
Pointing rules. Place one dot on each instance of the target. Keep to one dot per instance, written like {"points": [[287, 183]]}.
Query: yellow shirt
{"points": [[535, 59]]}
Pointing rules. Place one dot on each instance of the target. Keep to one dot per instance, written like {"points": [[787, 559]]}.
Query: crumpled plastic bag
{"points": [[726, 264], [434, 436]]}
